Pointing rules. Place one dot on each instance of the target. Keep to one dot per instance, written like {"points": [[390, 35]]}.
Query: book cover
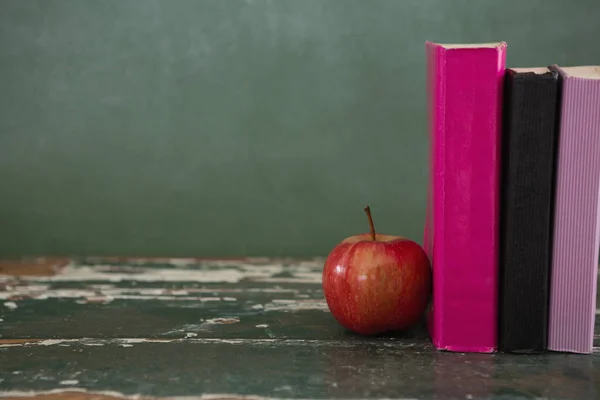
{"points": [[527, 186], [465, 86], [574, 270]]}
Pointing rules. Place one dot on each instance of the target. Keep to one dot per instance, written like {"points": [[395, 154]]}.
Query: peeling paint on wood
{"points": [[69, 382], [175, 271], [10, 305], [216, 321], [274, 342], [296, 305], [90, 295], [366, 368], [80, 394], [133, 328], [8, 342], [194, 260]]}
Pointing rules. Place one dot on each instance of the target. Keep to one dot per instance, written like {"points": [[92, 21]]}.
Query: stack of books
{"points": [[513, 210]]}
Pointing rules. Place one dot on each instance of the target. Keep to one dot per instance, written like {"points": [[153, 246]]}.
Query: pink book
{"points": [[576, 213], [462, 228]]}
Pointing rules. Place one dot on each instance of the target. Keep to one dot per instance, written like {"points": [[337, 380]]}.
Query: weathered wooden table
{"points": [[106, 328]]}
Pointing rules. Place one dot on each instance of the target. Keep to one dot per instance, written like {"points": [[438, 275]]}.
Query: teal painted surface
{"points": [[230, 127], [248, 327], [295, 370]]}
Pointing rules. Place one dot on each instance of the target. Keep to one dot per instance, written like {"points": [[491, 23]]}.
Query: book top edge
{"points": [[462, 46], [583, 71], [533, 70]]}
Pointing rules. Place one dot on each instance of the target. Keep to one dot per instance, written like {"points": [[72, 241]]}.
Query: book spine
{"points": [[465, 114], [576, 218], [530, 101], [434, 88]]}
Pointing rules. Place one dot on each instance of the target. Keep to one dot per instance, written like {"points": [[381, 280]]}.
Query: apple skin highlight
{"points": [[376, 286]]}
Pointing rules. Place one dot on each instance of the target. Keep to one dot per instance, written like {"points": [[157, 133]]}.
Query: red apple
{"points": [[376, 283]]}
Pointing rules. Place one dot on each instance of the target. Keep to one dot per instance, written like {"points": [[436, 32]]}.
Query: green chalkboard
{"points": [[234, 127]]}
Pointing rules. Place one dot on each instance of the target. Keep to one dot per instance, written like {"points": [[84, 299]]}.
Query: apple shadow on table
{"points": [[417, 332]]}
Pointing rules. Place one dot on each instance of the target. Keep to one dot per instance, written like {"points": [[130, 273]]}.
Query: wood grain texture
{"points": [[70, 394], [158, 329], [42, 266]]}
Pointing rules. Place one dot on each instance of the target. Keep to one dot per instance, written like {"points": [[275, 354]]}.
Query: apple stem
{"points": [[371, 225]]}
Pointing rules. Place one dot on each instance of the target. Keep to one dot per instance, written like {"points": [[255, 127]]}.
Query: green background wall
{"points": [[231, 127]]}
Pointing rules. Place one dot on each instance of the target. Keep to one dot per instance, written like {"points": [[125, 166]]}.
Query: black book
{"points": [[531, 97]]}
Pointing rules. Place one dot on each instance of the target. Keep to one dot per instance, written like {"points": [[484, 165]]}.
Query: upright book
{"points": [[577, 217], [465, 86], [527, 185]]}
